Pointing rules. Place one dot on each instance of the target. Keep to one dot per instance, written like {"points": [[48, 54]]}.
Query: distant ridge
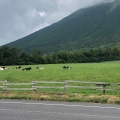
{"points": [[85, 28]]}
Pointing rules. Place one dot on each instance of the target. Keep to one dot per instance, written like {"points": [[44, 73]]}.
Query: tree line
{"points": [[14, 56]]}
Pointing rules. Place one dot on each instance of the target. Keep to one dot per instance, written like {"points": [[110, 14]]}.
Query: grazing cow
{"points": [[3, 68], [17, 67], [66, 67], [26, 69], [39, 68]]}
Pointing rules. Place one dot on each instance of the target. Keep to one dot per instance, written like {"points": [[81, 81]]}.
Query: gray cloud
{"points": [[19, 18]]}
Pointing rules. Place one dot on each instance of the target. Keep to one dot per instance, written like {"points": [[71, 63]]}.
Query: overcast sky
{"points": [[18, 18]]}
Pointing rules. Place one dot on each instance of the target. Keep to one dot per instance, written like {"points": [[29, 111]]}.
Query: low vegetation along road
{"points": [[41, 110]]}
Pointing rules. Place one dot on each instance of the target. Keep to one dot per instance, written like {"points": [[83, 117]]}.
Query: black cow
{"points": [[66, 67], [26, 69], [17, 67]]}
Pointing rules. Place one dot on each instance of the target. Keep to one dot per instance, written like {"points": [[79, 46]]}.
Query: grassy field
{"points": [[95, 72], [108, 72]]}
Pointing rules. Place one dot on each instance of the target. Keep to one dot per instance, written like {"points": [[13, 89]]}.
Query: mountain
{"points": [[85, 28]]}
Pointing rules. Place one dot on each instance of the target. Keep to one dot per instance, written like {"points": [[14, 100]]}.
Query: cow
{"points": [[17, 67], [67, 67], [39, 68], [26, 69], [3, 68]]}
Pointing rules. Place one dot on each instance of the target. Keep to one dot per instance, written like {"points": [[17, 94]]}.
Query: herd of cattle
{"points": [[29, 68], [19, 67]]}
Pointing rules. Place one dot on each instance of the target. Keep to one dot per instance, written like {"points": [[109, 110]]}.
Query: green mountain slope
{"points": [[89, 27]]}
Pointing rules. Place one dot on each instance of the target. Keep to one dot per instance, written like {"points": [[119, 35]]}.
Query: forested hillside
{"points": [[14, 56], [86, 28]]}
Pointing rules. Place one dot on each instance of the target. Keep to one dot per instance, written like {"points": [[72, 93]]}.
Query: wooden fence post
{"points": [[65, 87], [34, 85], [104, 87], [5, 84]]}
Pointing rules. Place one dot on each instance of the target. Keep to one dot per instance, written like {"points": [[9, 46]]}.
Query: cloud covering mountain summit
{"points": [[19, 18]]}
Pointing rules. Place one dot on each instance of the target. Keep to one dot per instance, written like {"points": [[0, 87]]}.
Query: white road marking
{"points": [[58, 113], [47, 104]]}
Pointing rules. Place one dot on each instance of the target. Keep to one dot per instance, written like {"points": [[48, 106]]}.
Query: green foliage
{"points": [[9, 55], [13, 56]]}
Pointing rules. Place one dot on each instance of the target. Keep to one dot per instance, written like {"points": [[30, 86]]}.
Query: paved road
{"points": [[38, 110]]}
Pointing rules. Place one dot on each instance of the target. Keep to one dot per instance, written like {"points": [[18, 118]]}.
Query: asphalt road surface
{"points": [[45, 110]]}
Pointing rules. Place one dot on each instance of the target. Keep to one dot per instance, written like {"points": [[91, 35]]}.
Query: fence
{"points": [[65, 86]]}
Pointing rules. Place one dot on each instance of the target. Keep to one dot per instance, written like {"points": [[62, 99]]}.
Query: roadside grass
{"points": [[108, 72], [110, 99]]}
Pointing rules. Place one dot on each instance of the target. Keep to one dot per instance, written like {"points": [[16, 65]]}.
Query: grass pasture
{"points": [[95, 72], [108, 72]]}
